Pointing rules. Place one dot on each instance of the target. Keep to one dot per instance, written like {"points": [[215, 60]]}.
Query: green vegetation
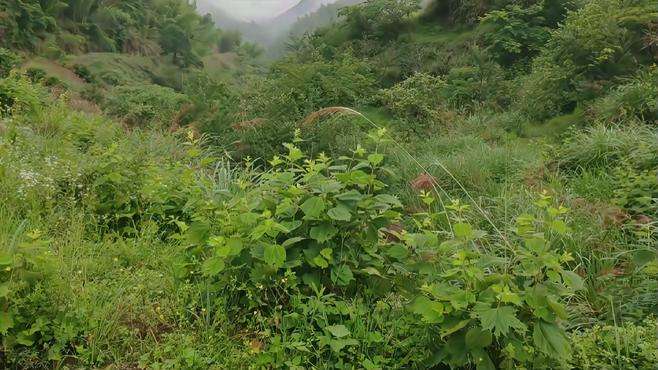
{"points": [[452, 184]]}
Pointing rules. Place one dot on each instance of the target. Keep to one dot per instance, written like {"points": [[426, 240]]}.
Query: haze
{"points": [[254, 9]]}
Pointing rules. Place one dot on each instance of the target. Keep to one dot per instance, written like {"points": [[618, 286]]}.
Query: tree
{"points": [[230, 41], [174, 40]]}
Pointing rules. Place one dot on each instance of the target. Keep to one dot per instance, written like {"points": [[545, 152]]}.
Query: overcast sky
{"points": [[254, 9]]}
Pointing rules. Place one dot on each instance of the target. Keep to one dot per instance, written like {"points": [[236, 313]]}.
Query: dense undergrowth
{"points": [[468, 185]]}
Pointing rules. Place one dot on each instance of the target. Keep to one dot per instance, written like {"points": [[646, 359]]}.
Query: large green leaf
{"points": [[573, 280], [498, 319], [431, 311], [342, 275], [323, 232], [275, 255], [477, 338], [551, 340], [340, 213], [213, 266], [6, 259], [6, 322], [338, 331], [313, 207]]}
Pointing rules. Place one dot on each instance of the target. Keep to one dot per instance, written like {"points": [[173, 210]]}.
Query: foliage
{"points": [[83, 72], [23, 22], [516, 34], [380, 19], [596, 43], [636, 99], [626, 347], [174, 40], [277, 104], [145, 105], [479, 82], [511, 290], [416, 99], [229, 41], [187, 236], [8, 61], [101, 25], [602, 147], [302, 225], [637, 191], [30, 318]]}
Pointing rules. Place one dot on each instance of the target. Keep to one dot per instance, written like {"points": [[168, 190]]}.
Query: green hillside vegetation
{"points": [[462, 185]]}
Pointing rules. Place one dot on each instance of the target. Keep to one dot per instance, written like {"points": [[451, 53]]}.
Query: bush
{"points": [[417, 100], [637, 191], [19, 95], [295, 89], [515, 34], [145, 105], [275, 253], [8, 61], [597, 43], [379, 19], [36, 74], [230, 41], [84, 73], [477, 84], [323, 234], [33, 324], [496, 305]]}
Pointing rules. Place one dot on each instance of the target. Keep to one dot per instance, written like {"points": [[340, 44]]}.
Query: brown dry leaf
{"points": [[424, 181]]}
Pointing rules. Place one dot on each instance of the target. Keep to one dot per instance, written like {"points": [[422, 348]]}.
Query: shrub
{"points": [[30, 317], [36, 74], [598, 42], [298, 230], [84, 73], [295, 89], [145, 105], [417, 100], [496, 305], [480, 83], [8, 61], [230, 41], [381, 19], [637, 191], [20, 95], [515, 34], [604, 148], [303, 245]]}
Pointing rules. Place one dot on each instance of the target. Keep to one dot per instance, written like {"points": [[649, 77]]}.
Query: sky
{"points": [[254, 9]]}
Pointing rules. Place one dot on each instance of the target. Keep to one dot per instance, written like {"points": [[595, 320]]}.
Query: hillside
{"points": [[273, 31], [413, 185], [324, 16]]}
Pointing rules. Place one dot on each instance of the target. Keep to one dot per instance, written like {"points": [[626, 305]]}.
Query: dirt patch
{"points": [[57, 70]]}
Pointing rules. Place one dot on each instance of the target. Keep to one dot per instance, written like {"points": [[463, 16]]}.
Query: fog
{"points": [[254, 9]]}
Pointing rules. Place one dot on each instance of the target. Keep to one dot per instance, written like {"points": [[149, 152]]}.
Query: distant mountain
{"points": [[290, 16], [251, 31], [275, 30], [222, 19], [322, 17], [326, 15]]}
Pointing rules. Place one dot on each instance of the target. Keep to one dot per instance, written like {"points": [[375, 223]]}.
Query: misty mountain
{"points": [[322, 17], [271, 31], [290, 16]]}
